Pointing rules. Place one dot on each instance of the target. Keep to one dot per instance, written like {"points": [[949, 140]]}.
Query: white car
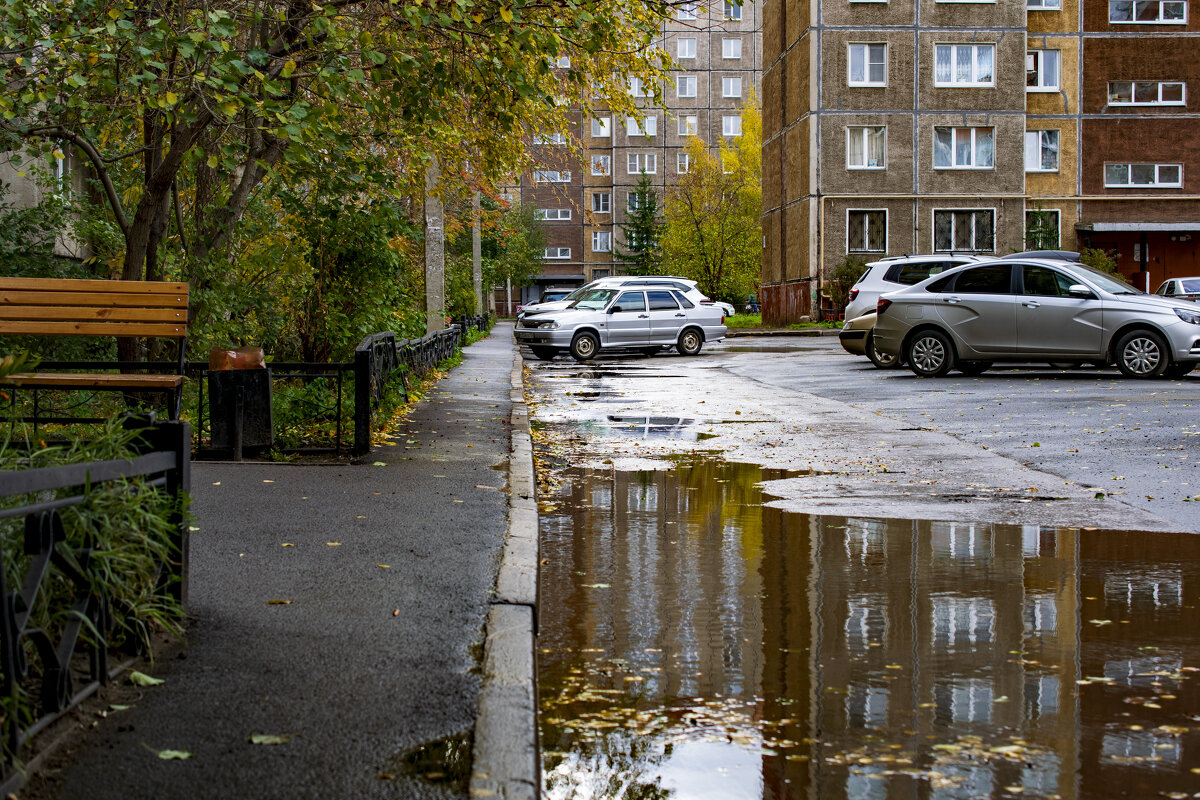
{"points": [[685, 285], [890, 274], [1180, 289]]}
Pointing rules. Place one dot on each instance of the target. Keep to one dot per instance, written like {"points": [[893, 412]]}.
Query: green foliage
{"points": [[513, 248], [712, 231], [642, 232], [1100, 259], [1041, 230], [844, 275]]}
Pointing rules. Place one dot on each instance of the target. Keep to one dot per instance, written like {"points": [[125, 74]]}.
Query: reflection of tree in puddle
{"points": [[688, 631]]}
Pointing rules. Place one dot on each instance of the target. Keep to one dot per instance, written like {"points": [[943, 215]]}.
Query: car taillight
{"points": [[881, 306], [853, 293], [704, 299]]}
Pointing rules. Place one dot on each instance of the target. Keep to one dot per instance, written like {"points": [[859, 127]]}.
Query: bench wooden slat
{"points": [[97, 299], [22, 328], [87, 314], [91, 380], [71, 285]]}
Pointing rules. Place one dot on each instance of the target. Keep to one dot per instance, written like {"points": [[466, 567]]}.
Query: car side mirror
{"points": [[1079, 290], [614, 309]]}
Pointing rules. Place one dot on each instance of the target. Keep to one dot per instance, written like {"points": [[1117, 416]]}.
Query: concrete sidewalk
{"points": [[342, 606]]}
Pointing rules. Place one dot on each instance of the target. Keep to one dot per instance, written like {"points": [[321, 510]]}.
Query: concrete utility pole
{"points": [[477, 257], [435, 253]]}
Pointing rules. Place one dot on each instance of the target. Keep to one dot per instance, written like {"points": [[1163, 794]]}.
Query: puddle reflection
{"points": [[697, 645]]}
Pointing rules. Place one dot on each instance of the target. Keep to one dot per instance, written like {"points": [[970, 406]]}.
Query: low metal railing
{"points": [[58, 572]]}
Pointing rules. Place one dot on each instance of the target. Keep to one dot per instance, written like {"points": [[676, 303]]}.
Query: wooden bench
{"points": [[61, 307]]}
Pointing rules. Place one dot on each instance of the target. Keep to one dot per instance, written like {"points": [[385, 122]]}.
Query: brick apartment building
{"points": [[717, 46], [906, 126]]}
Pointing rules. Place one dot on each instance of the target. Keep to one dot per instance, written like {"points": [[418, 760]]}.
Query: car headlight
{"points": [[548, 324], [1188, 316]]}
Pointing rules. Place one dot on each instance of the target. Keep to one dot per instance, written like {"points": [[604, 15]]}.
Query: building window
{"points": [[550, 138], [731, 87], [1148, 12], [601, 241], [731, 48], [685, 11], [1145, 93], [1143, 175], [964, 65], [1042, 229], [1042, 70], [634, 202], [866, 231], [551, 176], [556, 252], [1041, 151], [636, 87], [962, 148], [688, 125], [647, 126], [731, 125], [964, 230], [683, 163], [601, 165], [865, 147], [685, 86], [559, 214], [685, 48], [602, 203], [732, 11], [1043, 5], [563, 62], [868, 65], [601, 128], [642, 162]]}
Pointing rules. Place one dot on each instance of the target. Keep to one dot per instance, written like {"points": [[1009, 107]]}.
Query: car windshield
{"points": [[594, 298], [1190, 285], [1106, 281]]}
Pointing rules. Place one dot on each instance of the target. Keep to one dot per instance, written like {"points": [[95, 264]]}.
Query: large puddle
{"points": [[694, 644]]}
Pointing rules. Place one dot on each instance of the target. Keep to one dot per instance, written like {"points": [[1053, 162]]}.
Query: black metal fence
{"points": [[64, 679]]}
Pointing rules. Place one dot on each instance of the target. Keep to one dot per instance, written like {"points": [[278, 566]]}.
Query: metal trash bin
{"points": [[239, 405]]}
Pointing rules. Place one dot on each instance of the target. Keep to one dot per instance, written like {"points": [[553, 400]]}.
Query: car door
{"points": [[628, 321], [666, 317], [980, 309], [1053, 323]]}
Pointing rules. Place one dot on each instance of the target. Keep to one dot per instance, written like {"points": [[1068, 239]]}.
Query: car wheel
{"points": [[690, 342], [1141, 354], [930, 354], [880, 360], [544, 353], [584, 346], [1178, 369], [974, 367]]}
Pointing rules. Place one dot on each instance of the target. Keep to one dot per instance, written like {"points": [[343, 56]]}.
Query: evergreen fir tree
{"points": [[642, 231]]}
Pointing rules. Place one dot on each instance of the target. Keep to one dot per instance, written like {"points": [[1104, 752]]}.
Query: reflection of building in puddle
{"points": [[647, 427], [855, 657]]}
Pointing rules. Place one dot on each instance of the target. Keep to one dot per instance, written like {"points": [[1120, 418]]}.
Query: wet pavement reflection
{"points": [[694, 644]]}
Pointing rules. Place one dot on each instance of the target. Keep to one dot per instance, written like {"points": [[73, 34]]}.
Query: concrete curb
{"points": [[734, 333], [506, 761]]}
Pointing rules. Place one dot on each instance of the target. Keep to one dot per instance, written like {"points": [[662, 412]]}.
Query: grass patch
{"points": [[751, 321]]}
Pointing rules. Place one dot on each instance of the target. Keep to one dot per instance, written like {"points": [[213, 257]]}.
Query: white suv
{"points": [[890, 274]]}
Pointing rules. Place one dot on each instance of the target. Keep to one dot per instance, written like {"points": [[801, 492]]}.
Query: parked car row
{"points": [[558, 299], [1027, 307]]}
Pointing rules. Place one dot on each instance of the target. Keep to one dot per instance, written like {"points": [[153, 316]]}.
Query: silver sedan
{"points": [[1036, 310], [647, 320]]}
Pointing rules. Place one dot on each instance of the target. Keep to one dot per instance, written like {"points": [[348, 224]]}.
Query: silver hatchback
{"points": [[1036, 310], [613, 318]]}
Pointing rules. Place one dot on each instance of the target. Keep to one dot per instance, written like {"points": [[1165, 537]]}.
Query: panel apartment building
{"points": [[918, 126], [717, 47]]}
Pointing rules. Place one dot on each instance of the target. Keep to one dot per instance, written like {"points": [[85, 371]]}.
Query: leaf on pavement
{"points": [[173, 755], [279, 602], [379, 464], [142, 679], [269, 738]]}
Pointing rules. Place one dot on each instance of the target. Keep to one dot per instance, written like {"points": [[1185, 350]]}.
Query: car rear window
{"points": [[661, 301], [909, 274], [1190, 285]]}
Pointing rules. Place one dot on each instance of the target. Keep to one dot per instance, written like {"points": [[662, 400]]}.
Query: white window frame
{"points": [[549, 138], [1035, 62], [553, 214], [645, 126], [563, 62], [556, 253], [1034, 146], [689, 125], [551, 176], [1133, 12], [861, 130], [601, 165], [602, 206], [952, 249], [954, 143], [637, 163], [685, 11], [731, 48], [683, 163], [1128, 184], [731, 125], [973, 82], [867, 245], [1159, 86], [636, 87], [688, 81], [850, 47], [1057, 221], [601, 241], [601, 127], [685, 47], [1043, 5], [731, 12], [728, 83]]}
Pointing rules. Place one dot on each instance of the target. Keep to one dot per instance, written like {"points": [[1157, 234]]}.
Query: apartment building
{"points": [[583, 201], [904, 126]]}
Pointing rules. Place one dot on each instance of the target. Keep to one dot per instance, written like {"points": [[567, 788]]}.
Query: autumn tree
{"points": [[712, 231]]}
